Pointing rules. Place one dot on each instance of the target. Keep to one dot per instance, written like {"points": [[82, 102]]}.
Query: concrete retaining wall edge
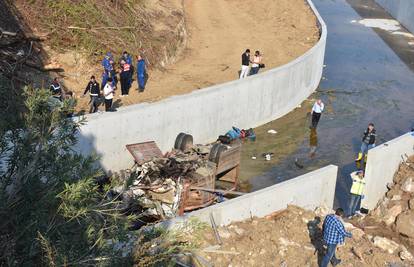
{"points": [[383, 162], [309, 191], [205, 113], [401, 10]]}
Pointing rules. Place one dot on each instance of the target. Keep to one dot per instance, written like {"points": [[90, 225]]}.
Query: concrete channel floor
{"points": [[369, 77]]}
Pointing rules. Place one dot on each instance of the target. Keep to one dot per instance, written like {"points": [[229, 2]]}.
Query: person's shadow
{"points": [[316, 237], [116, 104]]}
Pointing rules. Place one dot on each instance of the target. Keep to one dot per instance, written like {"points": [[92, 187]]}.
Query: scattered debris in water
{"points": [[272, 131], [267, 156], [298, 163]]}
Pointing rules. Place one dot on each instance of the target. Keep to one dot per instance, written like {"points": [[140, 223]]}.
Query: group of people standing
{"points": [[256, 64], [110, 79], [334, 232]]}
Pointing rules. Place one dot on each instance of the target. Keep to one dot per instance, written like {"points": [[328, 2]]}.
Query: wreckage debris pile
{"points": [[154, 188], [293, 237]]}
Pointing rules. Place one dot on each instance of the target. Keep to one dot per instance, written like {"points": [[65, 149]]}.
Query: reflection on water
{"points": [[313, 142]]}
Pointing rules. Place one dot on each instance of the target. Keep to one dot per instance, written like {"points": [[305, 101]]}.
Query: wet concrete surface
{"points": [[369, 77]]}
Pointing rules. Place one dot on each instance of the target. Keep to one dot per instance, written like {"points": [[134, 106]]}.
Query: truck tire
{"points": [[186, 143], [178, 140], [220, 150], [213, 152]]}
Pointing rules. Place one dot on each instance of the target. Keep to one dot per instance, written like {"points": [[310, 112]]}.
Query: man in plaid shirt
{"points": [[333, 234]]}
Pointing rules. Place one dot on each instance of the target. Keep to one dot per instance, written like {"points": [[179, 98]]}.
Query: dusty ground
{"points": [[293, 237], [289, 238], [219, 31]]}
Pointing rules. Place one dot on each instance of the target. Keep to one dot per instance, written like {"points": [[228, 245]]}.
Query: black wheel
{"points": [[178, 140], [213, 152], [186, 143], [220, 150]]}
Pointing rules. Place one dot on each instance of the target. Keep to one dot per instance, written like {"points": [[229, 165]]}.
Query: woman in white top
{"points": [[257, 60], [108, 94]]}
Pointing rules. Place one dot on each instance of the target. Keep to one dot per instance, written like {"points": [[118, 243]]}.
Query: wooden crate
{"points": [[228, 166], [194, 199]]}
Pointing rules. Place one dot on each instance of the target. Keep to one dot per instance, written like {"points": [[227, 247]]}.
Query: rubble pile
{"points": [[293, 237], [154, 189], [396, 209]]}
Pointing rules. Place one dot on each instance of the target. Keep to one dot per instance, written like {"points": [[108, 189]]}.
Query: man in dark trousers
{"points": [[317, 112], [368, 142], [333, 234], [128, 59], [141, 69], [107, 64], [93, 89], [125, 78], [245, 64], [108, 94]]}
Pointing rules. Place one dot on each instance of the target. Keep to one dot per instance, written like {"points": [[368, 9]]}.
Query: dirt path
{"points": [[219, 31]]}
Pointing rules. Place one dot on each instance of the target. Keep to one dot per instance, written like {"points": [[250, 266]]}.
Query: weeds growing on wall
{"points": [[158, 247]]}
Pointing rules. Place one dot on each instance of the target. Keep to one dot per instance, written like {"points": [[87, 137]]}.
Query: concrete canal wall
{"points": [[206, 113], [401, 10], [383, 162], [309, 191]]}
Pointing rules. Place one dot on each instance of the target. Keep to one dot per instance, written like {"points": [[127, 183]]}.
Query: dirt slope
{"points": [[189, 44], [292, 237], [220, 30]]}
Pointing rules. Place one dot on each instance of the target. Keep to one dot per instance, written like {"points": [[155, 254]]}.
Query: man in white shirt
{"points": [[108, 94], [316, 113]]}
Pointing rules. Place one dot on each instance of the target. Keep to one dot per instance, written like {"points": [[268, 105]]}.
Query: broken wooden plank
{"points": [[216, 233], [222, 252], [8, 33], [101, 28], [45, 68], [224, 192]]}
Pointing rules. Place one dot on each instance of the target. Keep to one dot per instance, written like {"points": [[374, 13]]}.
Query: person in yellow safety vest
{"points": [[357, 191]]}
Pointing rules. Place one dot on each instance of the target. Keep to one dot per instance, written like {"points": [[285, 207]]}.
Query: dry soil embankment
{"points": [[189, 44]]}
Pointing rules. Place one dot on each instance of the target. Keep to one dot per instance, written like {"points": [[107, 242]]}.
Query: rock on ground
{"points": [[293, 237], [405, 224], [385, 244]]}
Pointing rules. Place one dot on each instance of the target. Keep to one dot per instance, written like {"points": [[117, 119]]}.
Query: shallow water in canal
{"points": [[369, 77]]}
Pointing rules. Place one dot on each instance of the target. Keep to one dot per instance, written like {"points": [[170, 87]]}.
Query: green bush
{"points": [[52, 210]]}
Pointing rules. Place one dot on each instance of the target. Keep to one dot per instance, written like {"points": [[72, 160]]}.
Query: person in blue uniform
{"points": [[141, 69]]}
